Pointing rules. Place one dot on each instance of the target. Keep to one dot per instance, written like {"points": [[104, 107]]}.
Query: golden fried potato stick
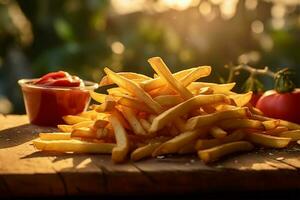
{"points": [[209, 143], [230, 124], [213, 118], [217, 132], [106, 80], [55, 136], [73, 119], [168, 100], [241, 99], [173, 145], [196, 74], [130, 116], [135, 89], [65, 128], [294, 135], [119, 153], [100, 98], [268, 140], [144, 151], [181, 109], [163, 71], [217, 88], [73, 146], [215, 153]]}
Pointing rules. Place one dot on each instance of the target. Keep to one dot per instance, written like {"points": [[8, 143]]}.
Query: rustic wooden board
{"points": [[27, 172]]}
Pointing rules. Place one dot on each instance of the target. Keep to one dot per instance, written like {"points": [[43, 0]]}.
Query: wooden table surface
{"points": [[24, 171]]}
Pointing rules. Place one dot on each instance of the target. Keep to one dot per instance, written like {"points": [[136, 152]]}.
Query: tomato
{"points": [[281, 105], [60, 78], [255, 98]]}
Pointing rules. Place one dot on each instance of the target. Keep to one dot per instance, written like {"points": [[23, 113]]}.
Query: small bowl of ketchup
{"points": [[49, 98]]}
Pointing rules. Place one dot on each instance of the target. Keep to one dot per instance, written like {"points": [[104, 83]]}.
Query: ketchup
{"points": [[54, 95], [59, 78]]}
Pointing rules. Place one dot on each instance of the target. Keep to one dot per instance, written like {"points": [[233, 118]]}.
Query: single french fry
{"points": [[106, 80], [91, 114], [209, 143], [144, 151], [217, 132], [268, 140], [241, 99], [73, 119], [294, 135], [65, 128], [151, 118], [215, 153], [213, 118], [100, 98], [183, 108], [119, 153], [197, 73], [217, 88], [168, 100], [135, 89], [73, 146], [173, 145], [55, 136], [130, 116], [163, 71], [241, 123]]}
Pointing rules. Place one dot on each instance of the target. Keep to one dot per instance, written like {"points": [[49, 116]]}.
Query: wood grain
{"points": [[27, 172]]}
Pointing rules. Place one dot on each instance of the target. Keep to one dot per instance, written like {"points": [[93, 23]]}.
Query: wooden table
{"points": [[25, 171]]}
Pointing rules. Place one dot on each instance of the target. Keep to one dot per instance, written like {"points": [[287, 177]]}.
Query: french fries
{"points": [[144, 117], [215, 153]]}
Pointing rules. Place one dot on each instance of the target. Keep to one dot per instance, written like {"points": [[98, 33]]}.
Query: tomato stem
{"points": [[283, 81]]}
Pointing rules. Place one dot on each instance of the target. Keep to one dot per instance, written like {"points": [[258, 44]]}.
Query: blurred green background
{"points": [[83, 36]]}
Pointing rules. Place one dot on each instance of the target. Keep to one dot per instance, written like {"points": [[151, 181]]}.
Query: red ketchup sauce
{"points": [[53, 96]]}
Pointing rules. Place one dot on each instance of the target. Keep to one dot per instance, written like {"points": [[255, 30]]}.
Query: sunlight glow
{"points": [[117, 47], [257, 27]]}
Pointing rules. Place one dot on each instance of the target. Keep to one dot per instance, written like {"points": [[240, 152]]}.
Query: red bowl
{"points": [[46, 105]]}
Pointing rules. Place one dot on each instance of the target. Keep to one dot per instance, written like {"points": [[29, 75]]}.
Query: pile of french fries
{"points": [[143, 117]]}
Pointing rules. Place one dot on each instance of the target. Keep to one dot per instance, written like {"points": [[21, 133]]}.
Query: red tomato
{"points": [[281, 105], [255, 98]]}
